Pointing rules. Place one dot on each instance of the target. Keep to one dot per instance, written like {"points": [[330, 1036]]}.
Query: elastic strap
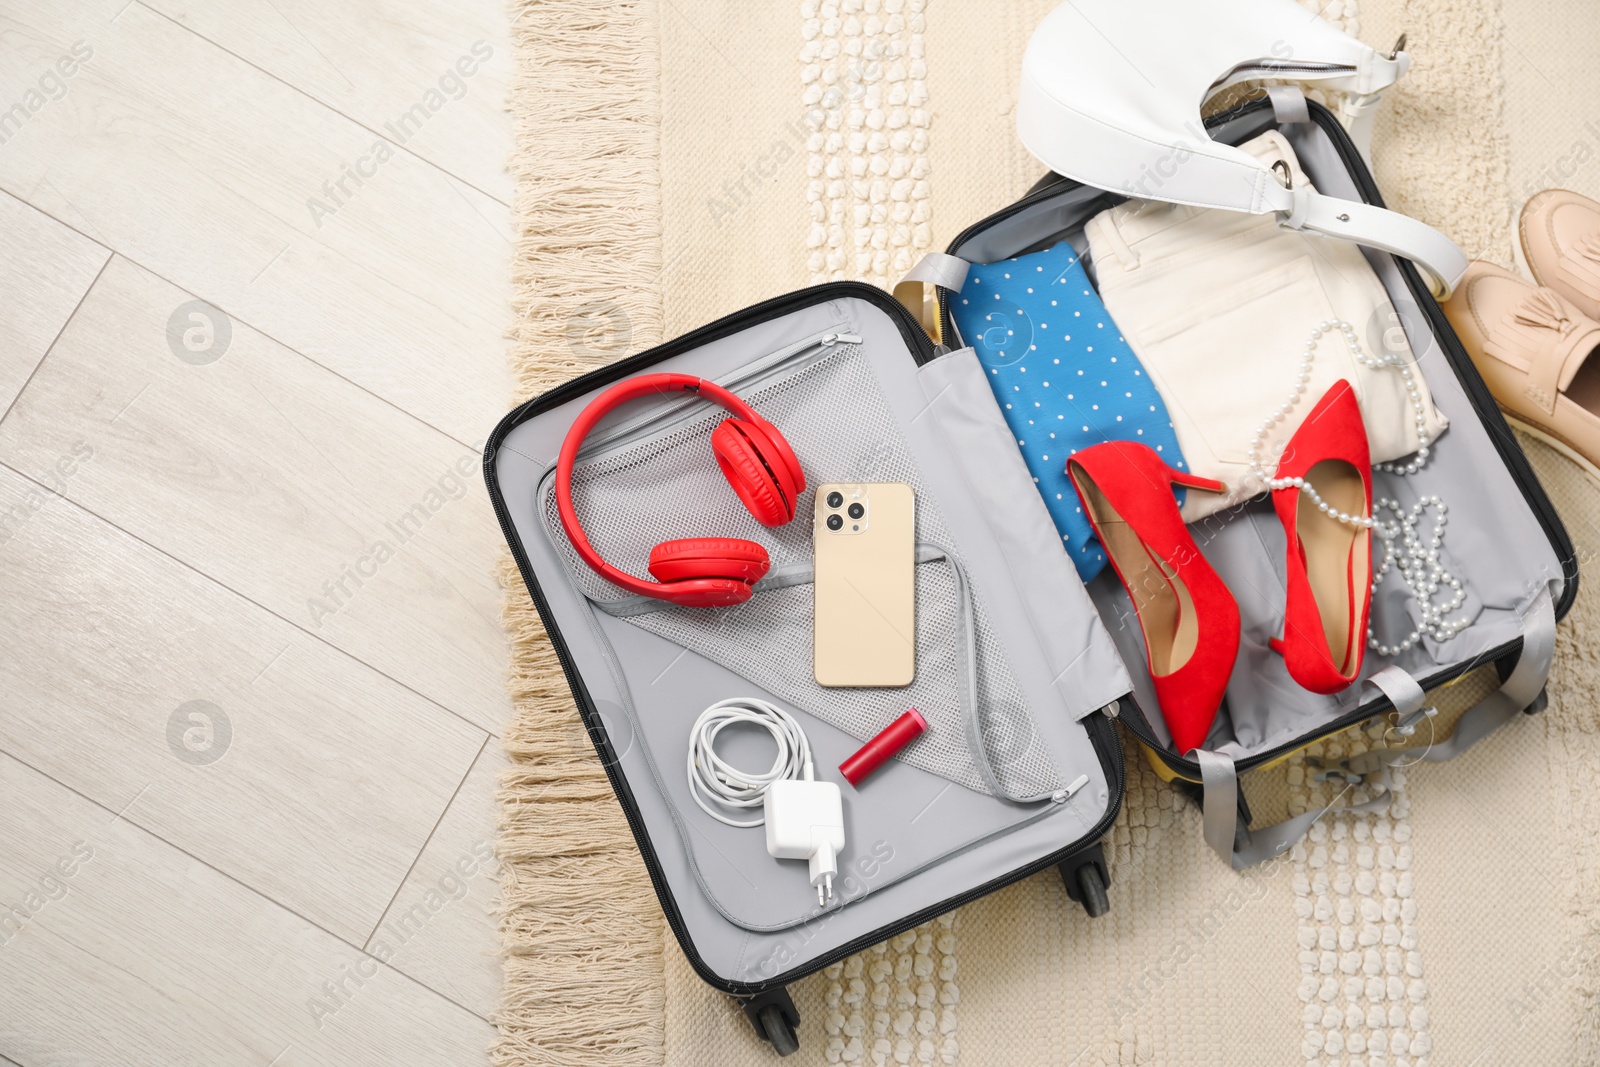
{"points": [[1401, 689], [1515, 695], [1242, 847], [1219, 810], [935, 268], [1288, 104]]}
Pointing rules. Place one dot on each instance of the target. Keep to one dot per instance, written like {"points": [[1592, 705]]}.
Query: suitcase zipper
{"points": [[674, 412], [1101, 734]]}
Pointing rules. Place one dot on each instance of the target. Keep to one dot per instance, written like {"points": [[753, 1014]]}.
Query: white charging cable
{"points": [[804, 817], [713, 778]]}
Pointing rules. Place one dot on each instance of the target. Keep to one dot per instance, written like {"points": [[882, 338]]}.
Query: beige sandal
{"points": [[1532, 348], [1560, 233]]}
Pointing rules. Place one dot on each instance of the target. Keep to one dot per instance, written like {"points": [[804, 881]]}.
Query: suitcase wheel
{"points": [[1086, 878], [1091, 893], [774, 1016], [776, 1029]]}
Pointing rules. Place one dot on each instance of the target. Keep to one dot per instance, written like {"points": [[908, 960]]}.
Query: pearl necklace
{"points": [[1405, 552]]}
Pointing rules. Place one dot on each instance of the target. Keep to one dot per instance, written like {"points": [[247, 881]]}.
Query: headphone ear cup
{"points": [[705, 593], [692, 558], [760, 472], [775, 448]]}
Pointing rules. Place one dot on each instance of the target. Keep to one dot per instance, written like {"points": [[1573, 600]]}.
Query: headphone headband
{"points": [[598, 408]]}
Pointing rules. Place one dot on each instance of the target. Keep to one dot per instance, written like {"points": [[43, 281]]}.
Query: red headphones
{"points": [[697, 572]]}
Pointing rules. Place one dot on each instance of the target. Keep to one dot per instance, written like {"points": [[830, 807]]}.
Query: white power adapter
{"points": [[804, 817], [805, 821]]}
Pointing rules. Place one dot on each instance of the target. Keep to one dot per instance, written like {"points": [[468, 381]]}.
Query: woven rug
{"points": [[666, 176]]}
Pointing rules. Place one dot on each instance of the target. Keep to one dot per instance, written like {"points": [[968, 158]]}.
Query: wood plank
{"points": [[45, 268], [284, 482], [441, 928], [376, 60], [238, 188], [143, 956], [300, 772]]}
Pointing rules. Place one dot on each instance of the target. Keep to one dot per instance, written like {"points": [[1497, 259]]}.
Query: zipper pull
{"points": [[831, 339], [1061, 796]]}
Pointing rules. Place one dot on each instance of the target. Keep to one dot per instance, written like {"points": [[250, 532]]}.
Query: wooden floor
{"points": [[255, 261], [254, 264]]}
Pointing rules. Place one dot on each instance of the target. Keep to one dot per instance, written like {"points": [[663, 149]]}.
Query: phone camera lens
{"points": [[834, 522], [835, 499], [856, 510]]}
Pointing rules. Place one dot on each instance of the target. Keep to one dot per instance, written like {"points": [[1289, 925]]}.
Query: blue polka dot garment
{"points": [[1063, 375]]}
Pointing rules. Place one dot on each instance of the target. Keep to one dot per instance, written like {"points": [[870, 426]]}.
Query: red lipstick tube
{"points": [[875, 753]]}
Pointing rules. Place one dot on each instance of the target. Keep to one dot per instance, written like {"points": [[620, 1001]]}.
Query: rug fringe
{"points": [[580, 926], [588, 207]]}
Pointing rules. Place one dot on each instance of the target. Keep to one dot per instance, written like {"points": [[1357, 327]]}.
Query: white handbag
{"points": [[1127, 118]]}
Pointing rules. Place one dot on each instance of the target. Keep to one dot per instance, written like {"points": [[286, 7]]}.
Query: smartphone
{"points": [[864, 547]]}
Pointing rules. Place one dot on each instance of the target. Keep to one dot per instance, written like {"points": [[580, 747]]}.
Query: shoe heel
{"points": [[1194, 481]]}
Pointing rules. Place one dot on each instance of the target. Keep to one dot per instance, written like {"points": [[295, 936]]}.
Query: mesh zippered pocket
{"points": [[666, 485]]}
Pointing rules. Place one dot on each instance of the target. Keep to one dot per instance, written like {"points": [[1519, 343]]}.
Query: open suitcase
{"points": [[1482, 470], [862, 394], [1020, 668]]}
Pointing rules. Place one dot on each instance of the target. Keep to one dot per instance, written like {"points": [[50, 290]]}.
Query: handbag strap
{"points": [[1440, 259]]}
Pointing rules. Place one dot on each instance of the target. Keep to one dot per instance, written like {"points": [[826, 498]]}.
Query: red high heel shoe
{"points": [[1189, 619], [1323, 496]]}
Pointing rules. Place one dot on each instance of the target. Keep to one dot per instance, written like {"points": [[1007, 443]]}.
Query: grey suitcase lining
{"points": [[826, 398], [909, 832], [1503, 553]]}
